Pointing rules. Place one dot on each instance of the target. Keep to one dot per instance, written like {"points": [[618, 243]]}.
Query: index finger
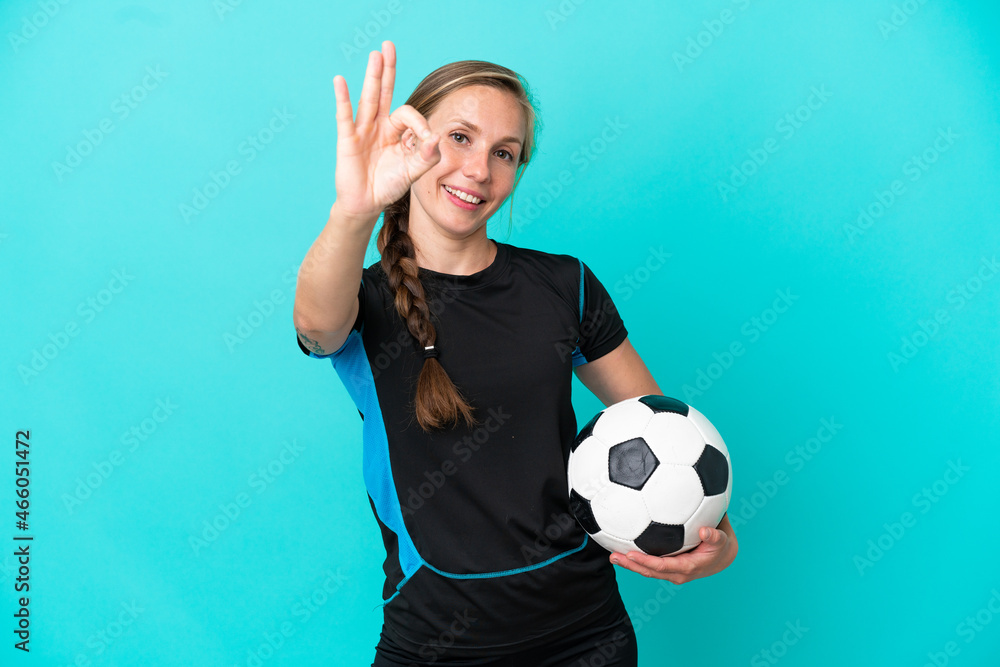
{"points": [[675, 569], [678, 564], [406, 117]]}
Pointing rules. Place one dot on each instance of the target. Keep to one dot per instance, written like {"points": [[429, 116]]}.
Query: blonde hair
{"points": [[438, 401]]}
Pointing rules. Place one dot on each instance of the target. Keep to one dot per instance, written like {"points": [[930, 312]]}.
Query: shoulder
{"points": [[539, 255], [561, 268]]}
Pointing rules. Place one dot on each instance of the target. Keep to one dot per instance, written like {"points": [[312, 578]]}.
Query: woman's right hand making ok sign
{"points": [[376, 164]]}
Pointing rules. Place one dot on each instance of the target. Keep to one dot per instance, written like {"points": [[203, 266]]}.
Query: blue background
{"points": [[697, 94]]}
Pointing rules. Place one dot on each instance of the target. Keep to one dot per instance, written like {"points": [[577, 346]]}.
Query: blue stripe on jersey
{"points": [[398, 587], [351, 364], [578, 357], [517, 570]]}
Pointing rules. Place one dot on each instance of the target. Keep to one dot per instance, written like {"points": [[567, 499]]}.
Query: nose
{"points": [[477, 166]]}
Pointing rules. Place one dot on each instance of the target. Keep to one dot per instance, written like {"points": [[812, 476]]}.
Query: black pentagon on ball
{"points": [[660, 539], [664, 404], [713, 469], [586, 431], [583, 512], [631, 463]]}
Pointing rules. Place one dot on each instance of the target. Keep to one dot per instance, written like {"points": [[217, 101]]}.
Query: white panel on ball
{"points": [[588, 468], [673, 438], [620, 511], [677, 492], [612, 543], [626, 421]]}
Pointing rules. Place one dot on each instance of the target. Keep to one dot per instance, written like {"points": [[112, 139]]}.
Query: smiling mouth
{"points": [[465, 197]]}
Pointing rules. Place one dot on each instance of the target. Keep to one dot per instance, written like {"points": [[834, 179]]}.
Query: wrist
{"points": [[353, 219]]}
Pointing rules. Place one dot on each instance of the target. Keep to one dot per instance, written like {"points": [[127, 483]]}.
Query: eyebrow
{"points": [[473, 127]]}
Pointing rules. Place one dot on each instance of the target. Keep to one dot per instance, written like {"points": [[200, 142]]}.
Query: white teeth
{"points": [[463, 196]]}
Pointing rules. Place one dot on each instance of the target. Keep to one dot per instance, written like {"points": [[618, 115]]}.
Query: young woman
{"points": [[458, 352]]}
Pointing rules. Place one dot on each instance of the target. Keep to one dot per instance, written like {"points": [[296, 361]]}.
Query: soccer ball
{"points": [[646, 474]]}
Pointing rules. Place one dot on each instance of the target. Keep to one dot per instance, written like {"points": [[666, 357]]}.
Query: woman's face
{"points": [[482, 134]]}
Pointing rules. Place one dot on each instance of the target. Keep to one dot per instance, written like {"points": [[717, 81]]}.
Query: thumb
{"points": [[421, 154], [428, 149]]}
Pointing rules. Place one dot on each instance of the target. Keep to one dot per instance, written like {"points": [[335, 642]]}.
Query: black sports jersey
{"points": [[483, 555]]}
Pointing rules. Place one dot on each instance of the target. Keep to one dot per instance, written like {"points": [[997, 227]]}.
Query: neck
{"points": [[459, 258]]}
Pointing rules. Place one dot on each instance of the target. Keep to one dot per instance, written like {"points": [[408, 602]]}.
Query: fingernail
{"points": [[425, 134]]}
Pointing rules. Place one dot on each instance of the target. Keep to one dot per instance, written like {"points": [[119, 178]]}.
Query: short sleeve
{"points": [[601, 327], [355, 327]]}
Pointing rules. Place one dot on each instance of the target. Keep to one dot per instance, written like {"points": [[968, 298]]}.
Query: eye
{"points": [[509, 157]]}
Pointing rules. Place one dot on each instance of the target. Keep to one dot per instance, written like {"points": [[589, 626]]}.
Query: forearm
{"points": [[330, 274]]}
